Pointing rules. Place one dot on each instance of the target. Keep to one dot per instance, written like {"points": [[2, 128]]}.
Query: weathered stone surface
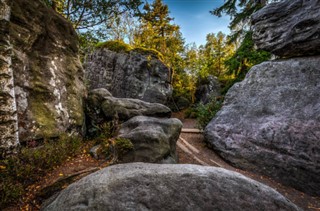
{"points": [[48, 76], [208, 90], [270, 123], [154, 139], [8, 110], [141, 186], [288, 28], [129, 75], [101, 107]]}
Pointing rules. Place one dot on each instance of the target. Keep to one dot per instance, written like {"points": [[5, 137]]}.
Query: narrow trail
{"points": [[191, 149]]}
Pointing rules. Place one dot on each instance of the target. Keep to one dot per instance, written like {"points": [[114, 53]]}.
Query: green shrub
{"points": [[30, 164], [120, 46], [115, 45], [205, 113], [114, 148], [145, 51], [123, 146], [190, 113]]}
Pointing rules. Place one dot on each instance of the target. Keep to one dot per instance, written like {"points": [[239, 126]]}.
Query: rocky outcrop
{"points": [[154, 139], [288, 28], [270, 122], [8, 110], [208, 90], [102, 107], [129, 75], [142, 186], [45, 72]]}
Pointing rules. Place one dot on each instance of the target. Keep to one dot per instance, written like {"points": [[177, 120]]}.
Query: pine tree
{"points": [[157, 32]]}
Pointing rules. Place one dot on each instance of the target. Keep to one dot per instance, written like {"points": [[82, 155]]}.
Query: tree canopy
{"points": [[93, 15]]}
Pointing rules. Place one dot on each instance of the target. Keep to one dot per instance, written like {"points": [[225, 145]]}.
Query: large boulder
{"points": [[102, 107], [288, 28], [141, 186], [129, 75], [207, 90], [154, 139], [270, 123], [46, 70]]}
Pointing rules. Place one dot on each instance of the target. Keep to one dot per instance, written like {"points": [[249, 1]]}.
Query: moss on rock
{"points": [[115, 45], [146, 51], [119, 46]]}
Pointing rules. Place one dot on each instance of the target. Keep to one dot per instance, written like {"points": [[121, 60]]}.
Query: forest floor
{"points": [[191, 149]]}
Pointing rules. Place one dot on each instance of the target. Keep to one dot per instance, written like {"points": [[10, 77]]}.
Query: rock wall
{"points": [[129, 75], [8, 109], [294, 32], [47, 73], [270, 122]]}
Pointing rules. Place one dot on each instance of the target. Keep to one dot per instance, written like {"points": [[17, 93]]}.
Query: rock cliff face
{"points": [[288, 28], [142, 186], [129, 75], [47, 73], [270, 122], [8, 109]]}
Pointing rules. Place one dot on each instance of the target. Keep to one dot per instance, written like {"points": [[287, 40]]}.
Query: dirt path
{"points": [[192, 149]]}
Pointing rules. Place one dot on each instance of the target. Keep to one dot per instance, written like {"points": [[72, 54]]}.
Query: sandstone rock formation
{"points": [[8, 109], [270, 122], [154, 139], [207, 90], [47, 73], [141, 186], [129, 75], [102, 107], [288, 28]]}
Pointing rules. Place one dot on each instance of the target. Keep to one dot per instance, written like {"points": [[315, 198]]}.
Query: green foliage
{"points": [[92, 15], [205, 112], [240, 12], [245, 57], [115, 45], [120, 46], [157, 32], [30, 164], [145, 51], [123, 146], [95, 20], [114, 149]]}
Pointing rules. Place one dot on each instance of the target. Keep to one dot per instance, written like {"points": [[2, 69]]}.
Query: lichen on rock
{"points": [[47, 73]]}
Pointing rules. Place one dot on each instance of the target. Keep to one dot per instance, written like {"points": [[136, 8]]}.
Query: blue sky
{"points": [[195, 20]]}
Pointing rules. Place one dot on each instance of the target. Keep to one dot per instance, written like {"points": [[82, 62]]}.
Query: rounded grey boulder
{"points": [[140, 186], [270, 123], [154, 139]]}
